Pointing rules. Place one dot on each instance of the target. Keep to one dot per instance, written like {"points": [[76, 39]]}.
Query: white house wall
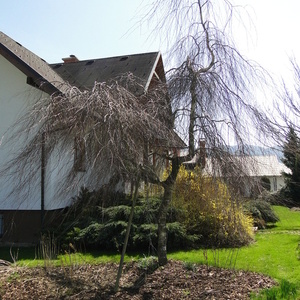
{"points": [[277, 182], [16, 96]]}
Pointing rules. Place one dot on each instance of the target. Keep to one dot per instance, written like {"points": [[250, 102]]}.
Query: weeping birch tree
{"points": [[104, 131], [98, 137], [211, 88]]}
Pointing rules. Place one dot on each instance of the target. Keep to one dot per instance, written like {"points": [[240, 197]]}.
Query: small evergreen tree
{"points": [[291, 158]]}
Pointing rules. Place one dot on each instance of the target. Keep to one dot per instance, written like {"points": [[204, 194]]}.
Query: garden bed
{"points": [[176, 280]]}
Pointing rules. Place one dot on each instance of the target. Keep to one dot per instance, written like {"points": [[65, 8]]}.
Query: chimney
{"points": [[71, 59]]}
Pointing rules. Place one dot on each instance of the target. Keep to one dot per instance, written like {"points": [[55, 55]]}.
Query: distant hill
{"points": [[257, 150]]}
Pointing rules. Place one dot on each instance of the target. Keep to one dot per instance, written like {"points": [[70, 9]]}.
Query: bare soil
{"points": [[173, 281]]}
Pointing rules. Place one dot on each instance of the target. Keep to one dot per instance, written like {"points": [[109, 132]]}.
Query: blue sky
{"points": [[54, 29]]}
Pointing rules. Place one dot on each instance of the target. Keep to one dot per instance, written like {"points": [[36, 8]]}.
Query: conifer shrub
{"points": [[262, 212], [209, 211], [100, 227]]}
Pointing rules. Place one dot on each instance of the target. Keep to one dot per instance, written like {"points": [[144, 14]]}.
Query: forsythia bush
{"points": [[209, 211]]}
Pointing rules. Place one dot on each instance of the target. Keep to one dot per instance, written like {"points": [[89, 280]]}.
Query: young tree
{"points": [[291, 158]]}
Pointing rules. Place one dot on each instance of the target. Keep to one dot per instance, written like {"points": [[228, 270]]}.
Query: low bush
{"points": [[261, 211], [98, 227], [209, 211]]}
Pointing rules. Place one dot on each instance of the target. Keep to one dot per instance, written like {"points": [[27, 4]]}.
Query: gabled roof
{"points": [[147, 67], [265, 165], [255, 166], [84, 74], [31, 65]]}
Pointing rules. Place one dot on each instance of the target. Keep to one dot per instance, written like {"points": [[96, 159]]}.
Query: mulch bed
{"points": [[173, 281]]}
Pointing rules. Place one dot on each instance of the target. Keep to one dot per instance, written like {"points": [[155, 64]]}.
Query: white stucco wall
{"points": [[277, 182], [15, 99], [15, 96]]}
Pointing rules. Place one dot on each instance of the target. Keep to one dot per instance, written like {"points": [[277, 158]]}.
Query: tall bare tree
{"points": [[211, 86]]}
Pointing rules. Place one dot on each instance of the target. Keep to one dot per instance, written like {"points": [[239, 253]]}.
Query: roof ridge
{"points": [[109, 57]]}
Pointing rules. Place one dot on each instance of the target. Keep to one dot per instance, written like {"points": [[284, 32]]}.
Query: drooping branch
{"points": [[110, 123], [212, 85]]}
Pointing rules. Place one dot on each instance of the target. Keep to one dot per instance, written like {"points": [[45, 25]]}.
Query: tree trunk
{"points": [[193, 116], [163, 211], [162, 228], [134, 197]]}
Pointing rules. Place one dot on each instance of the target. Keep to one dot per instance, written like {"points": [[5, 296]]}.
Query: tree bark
{"points": [[163, 211], [192, 115]]}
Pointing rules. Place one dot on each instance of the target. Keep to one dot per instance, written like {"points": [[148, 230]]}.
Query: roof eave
{"points": [[152, 72], [42, 83]]}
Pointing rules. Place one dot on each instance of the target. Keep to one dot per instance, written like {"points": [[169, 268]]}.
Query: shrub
{"points": [[104, 227], [262, 212], [209, 211]]}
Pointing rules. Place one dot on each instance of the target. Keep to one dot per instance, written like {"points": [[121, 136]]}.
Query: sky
{"points": [[54, 29], [274, 36]]}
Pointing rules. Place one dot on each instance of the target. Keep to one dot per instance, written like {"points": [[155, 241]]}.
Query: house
{"points": [[255, 172], [23, 77], [267, 168]]}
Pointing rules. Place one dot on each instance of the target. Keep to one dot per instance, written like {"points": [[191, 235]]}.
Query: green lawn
{"points": [[272, 254], [27, 257], [289, 220]]}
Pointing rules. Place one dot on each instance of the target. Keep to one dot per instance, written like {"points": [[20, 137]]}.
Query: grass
{"points": [[27, 257], [273, 253], [285, 290], [289, 220]]}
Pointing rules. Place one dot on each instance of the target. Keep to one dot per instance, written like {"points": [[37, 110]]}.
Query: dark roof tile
{"points": [[84, 73]]}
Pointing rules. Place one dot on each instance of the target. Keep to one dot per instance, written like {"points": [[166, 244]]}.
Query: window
{"points": [[79, 155], [1, 225]]}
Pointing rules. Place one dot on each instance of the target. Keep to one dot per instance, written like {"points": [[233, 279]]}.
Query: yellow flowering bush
{"points": [[209, 210]]}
